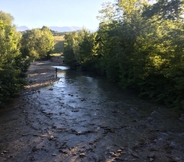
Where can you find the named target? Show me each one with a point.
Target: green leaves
(12, 65)
(80, 49)
(166, 10)
(137, 45)
(37, 43)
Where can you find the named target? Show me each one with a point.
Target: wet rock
(114, 111)
(63, 151)
(168, 148)
(181, 118)
(90, 149)
(172, 144)
(111, 153)
(24, 134)
(132, 111)
(151, 159)
(106, 130)
(153, 149)
(134, 154)
(135, 146)
(75, 110)
(154, 114)
(82, 154)
(36, 135)
(34, 149)
(51, 89)
(176, 159)
(60, 113)
(123, 126)
(142, 141)
(114, 154)
(79, 133)
(5, 151)
(11, 156)
(54, 127)
(119, 150)
(117, 159)
(91, 143)
(63, 146)
(43, 136)
(152, 137)
(151, 155)
(32, 158)
(51, 138)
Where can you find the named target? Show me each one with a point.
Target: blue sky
(36, 13)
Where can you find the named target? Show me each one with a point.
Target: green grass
(58, 44)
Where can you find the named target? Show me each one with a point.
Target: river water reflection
(109, 119)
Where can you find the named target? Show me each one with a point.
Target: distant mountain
(65, 28)
(22, 28)
(54, 28)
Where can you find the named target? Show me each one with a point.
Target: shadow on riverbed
(38, 80)
(42, 74)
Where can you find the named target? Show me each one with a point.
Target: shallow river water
(84, 118)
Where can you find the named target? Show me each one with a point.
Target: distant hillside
(54, 28)
(65, 28)
(22, 28)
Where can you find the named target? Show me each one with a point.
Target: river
(85, 118)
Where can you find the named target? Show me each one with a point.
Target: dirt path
(73, 120)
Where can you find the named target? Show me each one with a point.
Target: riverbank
(40, 74)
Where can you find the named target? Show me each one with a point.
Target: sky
(37, 13)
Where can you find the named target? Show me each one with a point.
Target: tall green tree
(6, 18)
(166, 9)
(80, 49)
(12, 65)
(37, 43)
(70, 49)
(138, 45)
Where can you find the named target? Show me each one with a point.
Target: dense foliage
(12, 65)
(37, 43)
(139, 45)
(79, 49)
(16, 53)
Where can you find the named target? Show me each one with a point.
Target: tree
(12, 65)
(46, 42)
(6, 18)
(37, 43)
(138, 45)
(166, 9)
(69, 49)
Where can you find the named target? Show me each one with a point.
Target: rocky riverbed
(78, 117)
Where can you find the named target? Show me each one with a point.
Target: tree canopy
(37, 43)
(12, 65)
(139, 45)
(16, 53)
